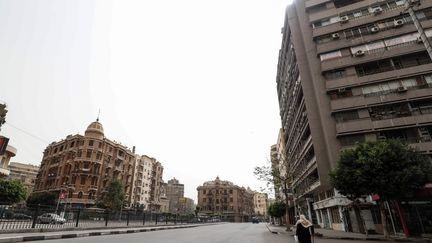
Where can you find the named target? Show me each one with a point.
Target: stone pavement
(20, 237)
(341, 235)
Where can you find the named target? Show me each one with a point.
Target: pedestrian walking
(304, 230)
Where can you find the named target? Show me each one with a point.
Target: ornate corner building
(82, 166)
(223, 199)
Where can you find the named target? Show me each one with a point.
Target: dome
(95, 130)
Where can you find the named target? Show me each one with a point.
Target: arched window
(90, 195)
(80, 194)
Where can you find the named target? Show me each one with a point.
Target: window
(346, 116)
(89, 153)
(90, 142)
(334, 74)
(330, 55)
(336, 219)
(83, 180)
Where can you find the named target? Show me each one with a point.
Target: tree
(275, 178)
(388, 168)
(12, 191)
(277, 209)
(42, 198)
(114, 197)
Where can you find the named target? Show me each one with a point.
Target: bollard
(143, 217)
(35, 215)
(78, 216)
(156, 219)
(127, 218)
(106, 217)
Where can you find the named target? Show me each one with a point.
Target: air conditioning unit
(375, 29)
(341, 90)
(419, 40)
(335, 36)
(344, 19)
(377, 10)
(359, 53)
(398, 22)
(401, 89)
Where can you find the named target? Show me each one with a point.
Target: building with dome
(80, 167)
(225, 200)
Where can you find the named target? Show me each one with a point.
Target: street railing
(46, 217)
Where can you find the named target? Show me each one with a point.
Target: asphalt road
(222, 233)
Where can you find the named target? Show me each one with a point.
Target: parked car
(21, 216)
(255, 220)
(50, 218)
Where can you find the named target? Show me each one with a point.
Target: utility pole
(410, 4)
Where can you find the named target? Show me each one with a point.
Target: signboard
(182, 200)
(3, 144)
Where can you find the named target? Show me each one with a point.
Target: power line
(28, 133)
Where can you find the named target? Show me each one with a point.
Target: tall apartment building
(175, 191)
(351, 71)
(82, 166)
(223, 198)
(25, 173)
(142, 184)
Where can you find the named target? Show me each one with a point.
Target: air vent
(419, 40)
(375, 29)
(398, 22)
(344, 19)
(377, 10)
(359, 53)
(401, 89)
(335, 36)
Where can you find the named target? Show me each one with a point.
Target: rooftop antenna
(97, 119)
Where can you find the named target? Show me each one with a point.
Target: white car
(50, 218)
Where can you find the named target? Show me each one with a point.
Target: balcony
(361, 101)
(366, 124)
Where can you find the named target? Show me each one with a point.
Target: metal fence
(44, 217)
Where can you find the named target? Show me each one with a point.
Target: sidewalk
(20, 237)
(341, 235)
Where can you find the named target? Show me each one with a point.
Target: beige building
(351, 71)
(82, 166)
(164, 201)
(4, 161)
(260, 204)
(26, 173)
(224, 199)
(143, 181)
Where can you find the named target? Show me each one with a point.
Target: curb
(67, 235)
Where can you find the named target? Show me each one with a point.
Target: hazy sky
(189, 82)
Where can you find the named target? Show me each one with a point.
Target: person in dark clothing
(304, 230)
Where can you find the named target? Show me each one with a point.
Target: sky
(191, 83)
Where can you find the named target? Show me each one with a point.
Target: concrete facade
(25, 173)
(175, 192)
(349, 71)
